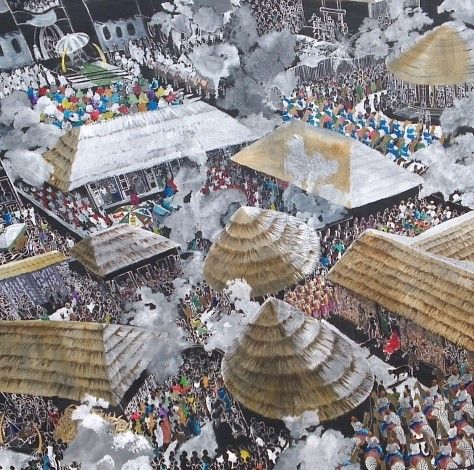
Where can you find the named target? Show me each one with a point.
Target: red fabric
(393, 344)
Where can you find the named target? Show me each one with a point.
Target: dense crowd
(330, 105)
(412, 424)
(408, 218)
(23, 78)
(34, 6)
(200, 305)
(66, 107)
(176, 69)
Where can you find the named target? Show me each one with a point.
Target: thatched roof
(128, 143)
(433, 291)
(270, 250)
(452, 239)
(285, 363)
(118, 247)
(340, 169)
(29, 265)
(71, 359)
(442, 56)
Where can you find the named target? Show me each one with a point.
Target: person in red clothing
(392, 345)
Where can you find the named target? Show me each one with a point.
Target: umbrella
(70, 43)
(133, 215)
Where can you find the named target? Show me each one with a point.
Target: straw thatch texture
(452, 239)
(71, 359)
(29, 265)
(119, 247)
(361, 176)
(432, 291)
(270, 250)
(285, 363)
(133, 142)
(442, 56)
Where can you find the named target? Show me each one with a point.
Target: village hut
(270, 250)
(335, 167)
(87, 154)
(285, 363)
(430, 72)
(72, 359)
(121, 248)
(428, 294)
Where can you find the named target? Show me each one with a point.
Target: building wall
(14, 51)
(116, 34)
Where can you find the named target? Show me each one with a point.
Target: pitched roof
(71, 359)
(11, 234)
(29, 265)
(340, 169)
(128, 143)
(119, 247)
(433, 291)
(270, 250)
(452, 239)
(285, 363)
(442, 56)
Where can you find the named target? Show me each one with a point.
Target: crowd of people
(200, 305)
(413, 424)
(33, 6)
(408, 218)
(315, 298)
(331, 104)
(194, 398)
(30, 76)
(66, 107)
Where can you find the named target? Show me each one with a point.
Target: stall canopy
(442, 56)
(340, 169)
(72, 359)
(121, 246)
(285, 363)
(32, 264)
(137, 141)
(433, 291)
(270, 250)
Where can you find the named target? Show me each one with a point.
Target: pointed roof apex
(285, 363)
(271, 250)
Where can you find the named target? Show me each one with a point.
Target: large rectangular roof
(128, 143)
(340, 169)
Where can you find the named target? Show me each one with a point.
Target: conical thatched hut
(330, 165)
(270, 250)
(71, 359)
(434, 69)
(121, 247)
(285, 363)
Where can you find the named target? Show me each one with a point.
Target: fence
(330, 67)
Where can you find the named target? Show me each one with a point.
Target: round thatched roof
(442, 56)
(270, 250)
(285, 363)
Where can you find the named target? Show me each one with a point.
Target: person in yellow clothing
(160, 92)
(244, 455)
